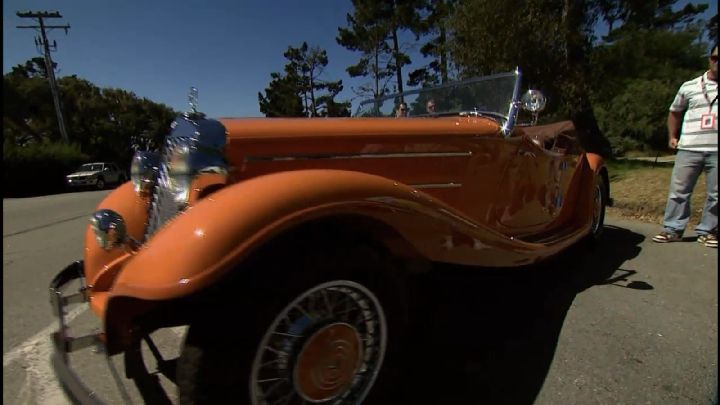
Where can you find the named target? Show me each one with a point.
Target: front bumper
(81, 182)
(63, 344)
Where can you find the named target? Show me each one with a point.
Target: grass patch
(640, 191)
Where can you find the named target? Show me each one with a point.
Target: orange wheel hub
(328, 362)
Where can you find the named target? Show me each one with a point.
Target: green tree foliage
(636, 72)
(281, 98)
(101, 122)
(38, 168)
(549, 39)
(435, 28)
(637, 15)
(301, 91)
(712, 28)
(374, 30)
(649, 44)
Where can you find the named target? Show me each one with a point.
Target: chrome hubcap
(326, 345)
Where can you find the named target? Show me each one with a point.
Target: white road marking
(179, 331)
(41, 385)
(43, 337)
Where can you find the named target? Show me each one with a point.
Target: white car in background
(96, 175)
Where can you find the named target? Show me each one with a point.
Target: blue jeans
(688, 166)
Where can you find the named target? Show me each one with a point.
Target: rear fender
(597, 164)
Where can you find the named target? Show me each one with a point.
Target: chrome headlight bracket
(144, 171)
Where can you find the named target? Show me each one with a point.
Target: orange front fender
(197, 248)
(201, 245)
(101, 265)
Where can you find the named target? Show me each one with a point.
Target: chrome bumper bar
(63, 343)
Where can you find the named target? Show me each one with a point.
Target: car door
(536, 184)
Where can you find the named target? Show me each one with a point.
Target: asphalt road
(628, 322)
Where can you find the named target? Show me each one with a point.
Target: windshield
(488, 95)
(90, 167)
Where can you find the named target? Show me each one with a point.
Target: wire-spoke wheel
(599, 202)
(326, 345)
(323, 327)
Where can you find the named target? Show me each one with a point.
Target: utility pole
(42, 40)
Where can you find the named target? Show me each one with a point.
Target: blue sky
(158, 49)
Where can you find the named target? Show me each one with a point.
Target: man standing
(695, 107)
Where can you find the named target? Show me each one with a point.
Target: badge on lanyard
(707, 120)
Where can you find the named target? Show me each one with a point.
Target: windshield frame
(505, 118)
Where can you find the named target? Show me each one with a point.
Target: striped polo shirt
(699, 128)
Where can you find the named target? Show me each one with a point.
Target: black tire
(100, 183)
(599, 200)
(221, 354)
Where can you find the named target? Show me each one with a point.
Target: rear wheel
(100, 183)
(328, 331)
(599, 203)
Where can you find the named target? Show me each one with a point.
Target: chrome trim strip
(436, 185)
(357, 156)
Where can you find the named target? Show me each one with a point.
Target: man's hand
(674, 121)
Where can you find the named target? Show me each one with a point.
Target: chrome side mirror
(109, 228)
(534, 102)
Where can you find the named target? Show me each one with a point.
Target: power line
(43, 41)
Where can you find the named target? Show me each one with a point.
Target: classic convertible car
(284, 243)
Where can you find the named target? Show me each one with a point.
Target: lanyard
(707, 98)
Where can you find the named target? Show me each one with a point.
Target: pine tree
(374, 30)
(302, 90)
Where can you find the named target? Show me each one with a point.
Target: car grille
(162, 205)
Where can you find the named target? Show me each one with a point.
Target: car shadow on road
(489, 335)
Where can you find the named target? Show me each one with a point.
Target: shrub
(38, 168)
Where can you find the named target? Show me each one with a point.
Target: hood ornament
(193, 101)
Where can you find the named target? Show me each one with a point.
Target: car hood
(80, 174)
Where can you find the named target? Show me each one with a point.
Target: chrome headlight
(144, 170)
(109, 228)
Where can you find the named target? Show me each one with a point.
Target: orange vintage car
(284, 243)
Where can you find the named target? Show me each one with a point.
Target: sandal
(711, 241)
(665, 237)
